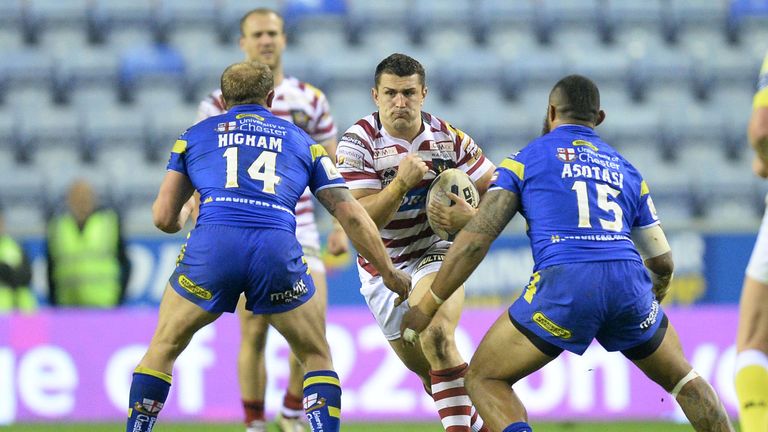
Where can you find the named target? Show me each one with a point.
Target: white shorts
(381, 301)
(758, 264)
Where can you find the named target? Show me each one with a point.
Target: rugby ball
(455, 181)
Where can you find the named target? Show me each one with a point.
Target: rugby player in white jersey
(389, 159)
(263, 39)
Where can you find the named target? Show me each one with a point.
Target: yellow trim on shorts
(334, 412)
(321, 380)
(530, 290)
(317, 151)
(514, 166)
(179, 146)
(157, 374)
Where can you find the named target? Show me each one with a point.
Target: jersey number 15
(603, 191)
(263, 169)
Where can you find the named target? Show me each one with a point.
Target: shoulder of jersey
(366, 127)
(304, 87)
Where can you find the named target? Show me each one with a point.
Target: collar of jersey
(249, 108)
(576, 128)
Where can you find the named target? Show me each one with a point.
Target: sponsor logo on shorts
(652, 315)
(429, 259)
(550, 327)
(194, 288)
(299, 289)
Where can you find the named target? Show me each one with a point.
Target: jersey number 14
(262, 169)
(603, 191)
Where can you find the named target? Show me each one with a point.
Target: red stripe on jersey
(406, 223)
(405, 241)
(369, 130)
(218, 102)
(477, 165)
(305, 210)
(280, 113)
(396, 260)
(325, 129)
(358, 175)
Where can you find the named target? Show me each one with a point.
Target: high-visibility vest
(86, 266)
(14, 297)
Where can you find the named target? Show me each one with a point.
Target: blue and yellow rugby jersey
(579, 196)
(250, 168)
(761, 96)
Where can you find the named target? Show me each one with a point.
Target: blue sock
(518, 427)
(149, 390)
(322, 400)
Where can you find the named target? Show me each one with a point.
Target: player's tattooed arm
(496, 210)
(365, 237)
(331, 197)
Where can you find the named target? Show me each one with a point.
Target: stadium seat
(365, 16)
(495, 16)
(149, 64)
(106, 16)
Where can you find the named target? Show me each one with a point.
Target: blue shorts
(219, 262)
(565, 307)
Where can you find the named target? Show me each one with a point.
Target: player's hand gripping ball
(454, 181)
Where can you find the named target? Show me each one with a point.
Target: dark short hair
(261, 11)
(247, 82)
(402, 66)
(577, 98)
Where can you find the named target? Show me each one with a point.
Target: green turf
(348, 427)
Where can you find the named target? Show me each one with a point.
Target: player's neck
(278, 75)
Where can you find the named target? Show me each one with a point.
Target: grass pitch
(348, 427)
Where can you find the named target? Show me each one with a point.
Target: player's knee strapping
(322, 400)
(685, 380)
(149, 390)
(751, 382)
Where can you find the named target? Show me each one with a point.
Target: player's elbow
(164, 218)
(661, 265)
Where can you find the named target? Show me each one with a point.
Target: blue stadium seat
(497, 15)
(149, 63)
(106, 16)
(171, 16)
(741, 13)
(365, 16)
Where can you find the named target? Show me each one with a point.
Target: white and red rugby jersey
(368, 158)
(305, 106)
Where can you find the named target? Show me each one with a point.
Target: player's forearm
(364, 235)
(466, 253)
(381, 206)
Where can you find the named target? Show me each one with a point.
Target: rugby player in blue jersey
(250, 168)
(592, 226)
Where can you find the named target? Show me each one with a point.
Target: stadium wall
(76, 365)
